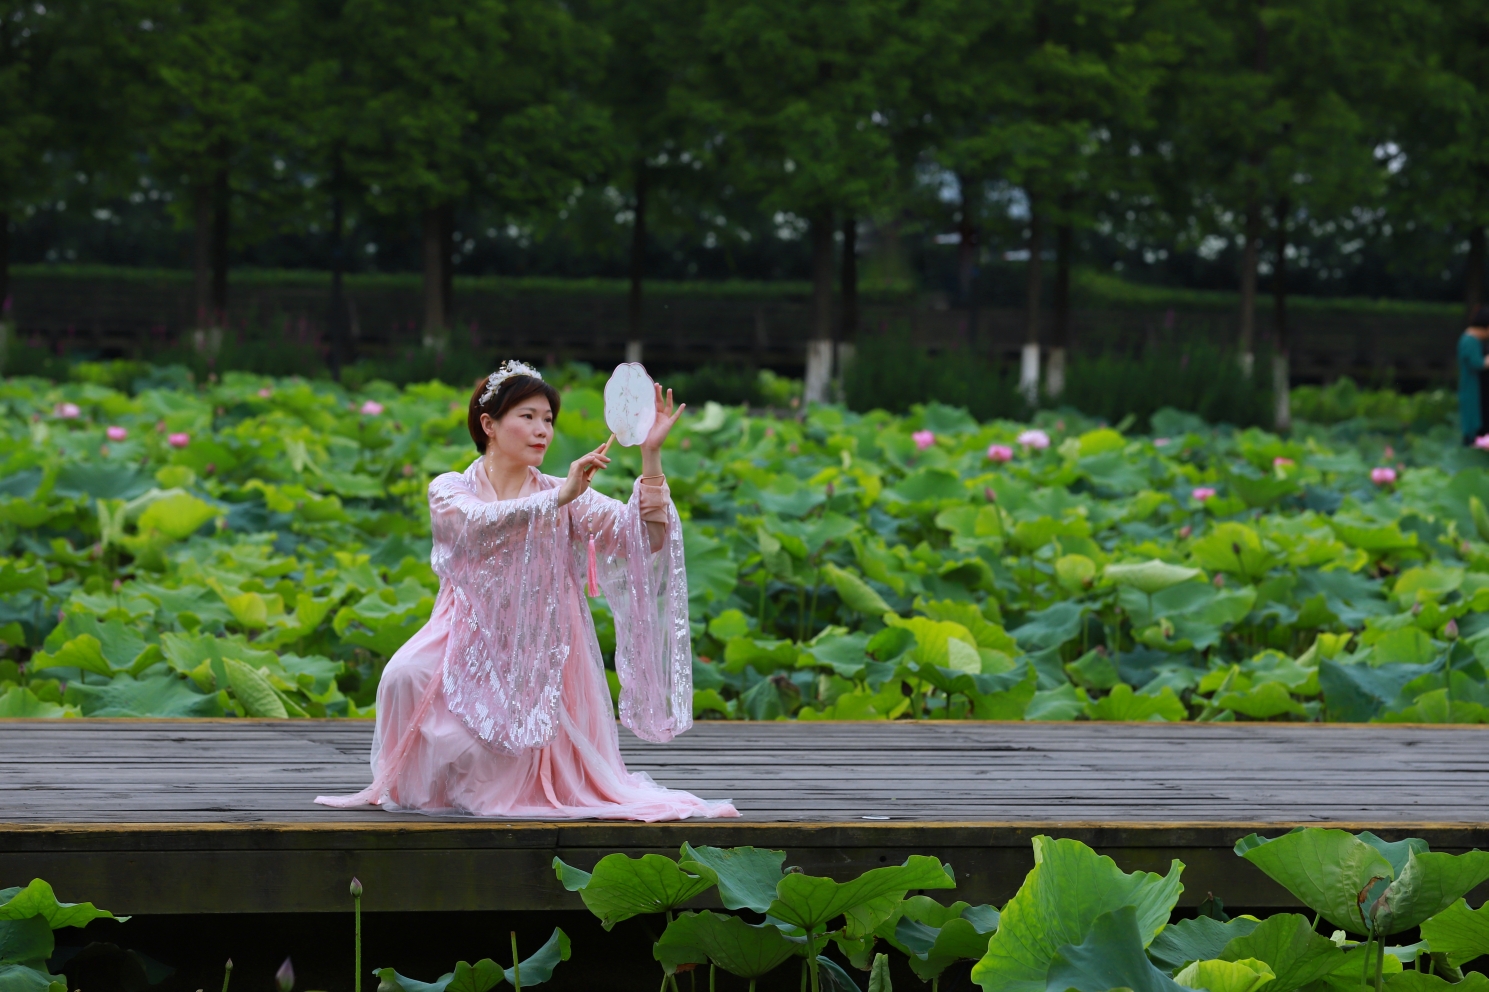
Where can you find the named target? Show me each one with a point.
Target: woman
(499, 705)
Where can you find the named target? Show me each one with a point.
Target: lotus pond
(260, 547)
(1078, 922)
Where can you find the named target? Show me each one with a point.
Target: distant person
(1473, 390)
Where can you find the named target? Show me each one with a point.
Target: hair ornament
(509, 368)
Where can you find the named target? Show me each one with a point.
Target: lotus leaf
(855, 593)
(747, 876)
(740, 948)
(1288, 944)
(1199, 939)
(1421, 981)
(1110, 957)
(38, 899)
(1149, 577)
(1243, 975)
(621, 887)
(809, 902)
(1068, 888)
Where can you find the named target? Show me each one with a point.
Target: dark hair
(513, 390)
(1480, 318)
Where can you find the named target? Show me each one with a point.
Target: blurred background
(1111, 206)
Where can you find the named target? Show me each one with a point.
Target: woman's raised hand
(666, 417)
(582, 470)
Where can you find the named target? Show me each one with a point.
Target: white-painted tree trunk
(1029, 373)
(1283, 411)
(1054, 374)
(818, 381)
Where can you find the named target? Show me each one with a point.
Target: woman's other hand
(582, 470)
(666, 417)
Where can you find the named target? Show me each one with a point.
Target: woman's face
(524, 432)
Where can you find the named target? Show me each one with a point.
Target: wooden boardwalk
(216, 816)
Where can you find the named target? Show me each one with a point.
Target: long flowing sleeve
(648, 596)
(503, 565)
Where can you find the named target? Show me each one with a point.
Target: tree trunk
(1029, 363)
(819, 349)
(337, 319)
(1473, 277)
(1246, 340)
(5, 304)
(1280, 370)
(849, 288)
(436, 250)
(202, 251)
(967, 248)
(635, 337)
(1054, 382)
(446, 263)
(222, 209)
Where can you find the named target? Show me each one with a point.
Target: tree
(469, 101)
(1268, 128)
(659, 143)
(804, 93)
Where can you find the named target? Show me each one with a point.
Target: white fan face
(630, 403)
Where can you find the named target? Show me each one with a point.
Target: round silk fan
(630, 403)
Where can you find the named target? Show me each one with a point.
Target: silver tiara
(509, 368)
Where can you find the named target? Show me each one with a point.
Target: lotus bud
(829, 490)
(989, 495)
(1185, 531)
(284, 978)
(356, 888)
(1416, 609)
(1450, 632)
(1219, 580)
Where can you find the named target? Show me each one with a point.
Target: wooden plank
(216, 815)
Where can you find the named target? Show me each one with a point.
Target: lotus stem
(516, 965)
(227, 973)
(1380, 964)
(357, 943)
(712, 971)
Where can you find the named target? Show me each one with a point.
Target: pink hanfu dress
(499, 706)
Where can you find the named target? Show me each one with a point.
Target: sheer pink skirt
(424, 759)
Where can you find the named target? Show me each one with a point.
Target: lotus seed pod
(356, 888)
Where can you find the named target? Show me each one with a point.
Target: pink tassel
(594, 575)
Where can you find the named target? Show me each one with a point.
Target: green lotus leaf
(934, 941)
(1244, 975)
(23, 978)
(1234, 548)
(1068, 888)
(1459, 932)
(855, 593)
(1289, 945)
(1051, 626)
(879, 980)
(19, 701)
(176, 516)
(740, 948)
(1324, 868)
(38, 899)
(1428, 884)
(538, 967)
(1110, 957)
(28, 942)
(1150, 577)
(747, 875)
(1122, 703)
(1420, 981)
(1199, 939)
(621, 887)
(158, 695)
(809, 902)
(253, 690)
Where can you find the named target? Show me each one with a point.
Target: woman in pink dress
(499, 705)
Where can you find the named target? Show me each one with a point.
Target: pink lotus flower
(178, 440)
(1482, 442)
(1203, 494)
(372, 408)
(265, 393)
(999, 453)
(1161, 442)
(1389, 453)
(67, 411)
(923, 439)
(1280, 462)
(1383, 476)
(116, 433)
(1036, 439)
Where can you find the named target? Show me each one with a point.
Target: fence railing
(117, 317)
